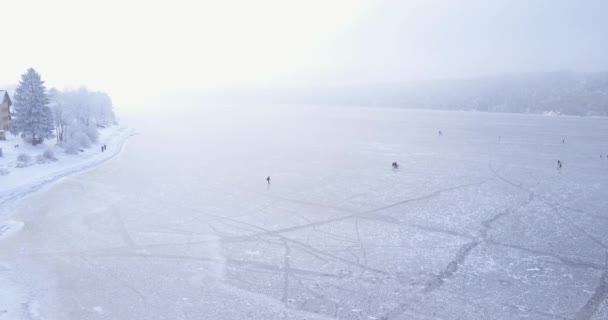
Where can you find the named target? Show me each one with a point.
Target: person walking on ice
(268, 179)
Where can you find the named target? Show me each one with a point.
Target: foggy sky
(411, 40)
(138, 50)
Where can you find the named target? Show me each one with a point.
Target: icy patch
(99, 310)
(13, 305)
(10, 227)
(30, 310)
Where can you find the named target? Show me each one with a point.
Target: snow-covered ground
(182, 225)
(17, 179)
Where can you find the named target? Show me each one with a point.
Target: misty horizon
(184, 47)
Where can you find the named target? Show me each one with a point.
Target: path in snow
(21, 182)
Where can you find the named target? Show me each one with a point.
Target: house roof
(4, 96)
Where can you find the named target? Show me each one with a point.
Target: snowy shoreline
(20, 182)
(19, 301)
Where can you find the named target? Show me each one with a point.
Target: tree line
(566, 93)
(71, 116)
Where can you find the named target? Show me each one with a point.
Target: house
(5, 113)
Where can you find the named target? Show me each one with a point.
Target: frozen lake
(182, 224)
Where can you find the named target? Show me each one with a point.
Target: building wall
(4, 121)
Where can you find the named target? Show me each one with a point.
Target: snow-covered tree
(61, 114)
(78, 115)
(101, 109)
(33, 118)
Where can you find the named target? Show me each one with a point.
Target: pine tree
(33, 118)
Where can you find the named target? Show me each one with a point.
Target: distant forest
(555, 93)
(584, 94)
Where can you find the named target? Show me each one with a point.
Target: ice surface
(182, 224)
(9, 227)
